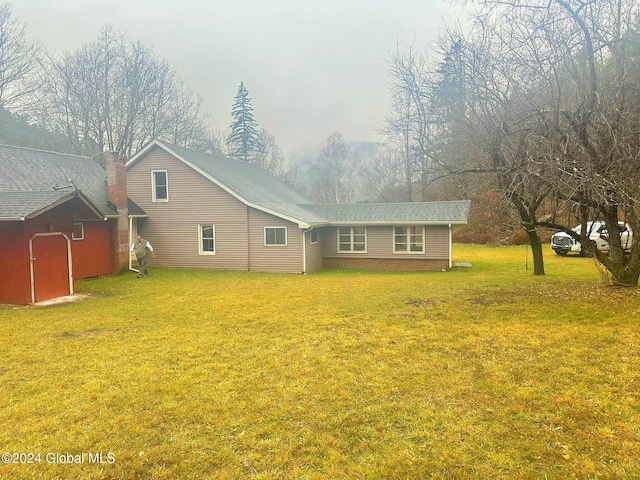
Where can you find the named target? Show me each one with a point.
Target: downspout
(248, 240)
(31, 272)
(130, 243)
(450, 248)
(304, 250)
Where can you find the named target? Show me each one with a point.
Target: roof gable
(249, 183)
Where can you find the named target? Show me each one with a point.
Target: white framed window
(352, 239)
(78, 231)
(313, 236)
(275, 236)
(160, 185)
(408, 239)
(206, 239)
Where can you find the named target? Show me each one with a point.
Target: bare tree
(270, 156)
(580, 116)
(405, 127)
(117, 94)
(18, 62)
(489, 104)
(384, 177)
(333, 172)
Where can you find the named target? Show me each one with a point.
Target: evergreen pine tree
(244, 141)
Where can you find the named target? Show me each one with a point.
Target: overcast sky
(312, 67)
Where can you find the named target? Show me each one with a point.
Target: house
(208, 211)
(62, 217)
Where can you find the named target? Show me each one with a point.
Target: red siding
(92, 256)
(94, 253)
(15, 282)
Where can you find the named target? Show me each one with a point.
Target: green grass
(474, 373)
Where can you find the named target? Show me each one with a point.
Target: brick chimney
(117, 189)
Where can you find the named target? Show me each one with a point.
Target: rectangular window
(275, 236)
(78, 231)
(313, 236)
(160, 185)
(408, 240)
(206, 239)
(352, 239)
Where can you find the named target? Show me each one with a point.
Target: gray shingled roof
(455, 212)
(250, 182)
(15, 205)
(134, 209)
(257, 187)
(27, 178)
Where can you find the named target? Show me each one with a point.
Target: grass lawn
(482, 373)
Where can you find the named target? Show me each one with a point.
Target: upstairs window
(313, 236)
(160, 185)
(275, 236)
(408, 240)
(206, 239)
(352, 239)
(78, 231)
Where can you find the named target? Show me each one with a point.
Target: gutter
(373, 223)
(12, 219)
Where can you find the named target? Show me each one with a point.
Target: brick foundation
(387, 264)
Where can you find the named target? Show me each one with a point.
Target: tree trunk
(626, 274)
(626, 277)
(536, 250)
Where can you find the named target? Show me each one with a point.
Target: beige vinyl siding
(314, 251)
(274, 258)
(172, 227)
(380, 243)
(436, 242)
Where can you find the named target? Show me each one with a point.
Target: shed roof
(32, 181)
(23, 205)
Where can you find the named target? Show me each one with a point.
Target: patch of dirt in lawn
(423, 303)
(83, 333)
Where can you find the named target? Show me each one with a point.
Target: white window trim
(200, 250)
(73, 231)
(153, 186)
(311, 242)
(366, 240)
(286, 237)
(408, 252)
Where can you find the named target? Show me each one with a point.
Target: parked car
(563, 243)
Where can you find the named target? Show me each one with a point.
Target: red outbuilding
(62, 217)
